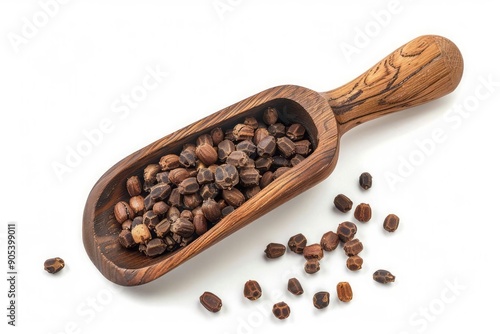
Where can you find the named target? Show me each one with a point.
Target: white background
(64, 77)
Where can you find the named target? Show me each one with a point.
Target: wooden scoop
(422, 70)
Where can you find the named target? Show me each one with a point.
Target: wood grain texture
(424, 69)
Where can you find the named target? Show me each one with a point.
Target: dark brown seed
(303, 147)
(263, 164)
(233, 197)
(346, 231)
(200, 224)
(243, 132)
(134, 186)
(251, 121)
(270, 116)
(260, 134)
(229, 135)
(182, 227)
(237, 159)
(277, 130)
(224, 149)
(211, 302)
(141, 234)
(313, 251)
(155, 247)
(188, 186)
(281, 310)
(137, 220)
(321, 299)
(204, 139)
(125, 239)
(285, 146)
(206, 153)
(209, 190)
(188, 214)
(344, 292)
(189, 147)
(279, 161)
(173, 214)
(137, 204)
(353, 247)
(176, 176)
(295, 287)
(169, 162)
(247, 146)
(251, 191)
(187, 158)
(150, 219)
(150, 175)
(354, 262)
(343, 203)
(266, 179)
(53, 265)
(175, 198)
(127, 225)
(266, 146)
(217, 136)
(162, 177)
(391, 223)
(160, 191)
(363, 212)
(252, 290)
(297, 243)
(274, 250)
(296, 159)
(227, 210)
(160, 208)
(204, 176)
(171, 244)
(211, 210)
(163, 228)
(148, 202)
(249, 177)
(295, 131)
(226, 176)
(365, 180)
(123, 211)
(280, 171)
(311, 266)
(329, 241)
(383, 276)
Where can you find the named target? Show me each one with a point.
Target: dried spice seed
(204, 139)
(329, 241)
(175, 198)
(303, 147)
(206, 153)
(249, 177)
(237, 158)
(141, 234)
(243, 132)
(270, 116)
(226, 176)
(277, 130)
(247, 146)
(251, 121)
(296, 131)
(280, 171)
(162, 177)
(346, 231)
(155, 247)
(204, 176)
(209, 190)
(188, 186)
(211, 210)
(391, 223)
(296, 159)
(134, 187)
(160, 191)
(217, 136)
(297, 243)
(274, 250)
(187, 158)
(163, 228)
(53, 265)
(281, 310)
(321, 299)
(312, 266)
(353, 247)
(251, 191)
(211, 302)
(280, 161)
(160, 208)
(125, 239)
(200, 224)
(123, 212)
(295, 287)
(266, 146)
(169, 162)
(263, 164)
(363, 212)
(224, 149)
(383, 276)
(137, 204)
(286, 146)
(177, 175)
(259, 134)
(127, 225)
(354, 262)
(365, 180)
(252, 290)
(343, 203)
(227, 210)
(150, 175)
(233, 197)
(313, 251)
(150, 219)
(266, 179)
(344, 292)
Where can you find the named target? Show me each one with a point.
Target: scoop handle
(422, 70)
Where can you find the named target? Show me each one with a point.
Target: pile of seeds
(187, 192)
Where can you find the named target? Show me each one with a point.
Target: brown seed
(270, 116)
(237, 159)
(182, 227)
(148, 202)
(277, 130)
(321, 299)
(134, 186)
(329, 241)
(266, 146)
(227, 210)
(155, 247)
(127, 225)
(274, 250)
(295, 131)
(251, 191)
(125, 239)
(353, 247)
(205, 175)
(53, 265)
(188, 214)
(343, 203)
(354, 262)
(243, 132)
(200, 224)
(313, 251)
(303, 147)
(344, 292)
(163, 228)
(295, 287)
(217, 136)
(286, 146)
(141, 234)
(160, 191)
(160, 208)
(280, 161)
(192, 201)
(249, 177)
(169, 162)
(204, 139)
(173, 214)
(297, 243)
(162, 177)
(363, 212)
(150, 219)
(266, 179)
(233, 197)
(137, 220)
(252, 290)
(246, 146)
(123, 211)
(281, 310)
(209, 190)
(280, 171)
(211, 210)
(150, 175)
(251, 121)
(175, 198)
(137, 204)
(391, 223)
(224, 149)
(211, 302)
(226, 176)
(365, 180)
(176, 176)
(346, 231)
(383, 276)
(187, 158)
(263, 164)
(206, 153)
(259, 134)
(188, 186)
(296, 159)
(311, 266)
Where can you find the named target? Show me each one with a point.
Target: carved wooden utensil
(422, 70)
